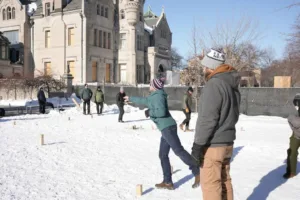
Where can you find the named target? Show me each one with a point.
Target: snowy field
(95, 158)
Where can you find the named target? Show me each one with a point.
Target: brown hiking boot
(168, 186)
(197, 181)
(288, 176)
(181, 127)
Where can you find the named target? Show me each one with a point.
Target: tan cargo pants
(214, 174)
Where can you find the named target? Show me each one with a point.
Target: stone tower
(131, 24)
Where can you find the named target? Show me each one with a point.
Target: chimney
(58, 5)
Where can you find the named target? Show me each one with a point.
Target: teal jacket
(158, 108)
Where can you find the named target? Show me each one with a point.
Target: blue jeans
(170, 139)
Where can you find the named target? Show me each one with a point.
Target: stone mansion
(93, 40)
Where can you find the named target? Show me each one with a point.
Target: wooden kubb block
(139, 190)
(42, 139)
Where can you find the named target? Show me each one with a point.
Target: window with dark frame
(47, 9)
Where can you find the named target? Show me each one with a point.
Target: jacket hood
(232, 78)
(228, 74)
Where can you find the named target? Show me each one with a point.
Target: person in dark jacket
(99, 100)
(120, 103)
(86, 96)
(187, 109)
(292, 152)
(42, 100)
(218, 114)
(158, 112)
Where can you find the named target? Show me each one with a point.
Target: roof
(72, 5)
(151, 22)
(150, 18)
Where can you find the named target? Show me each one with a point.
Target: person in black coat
(42, 100)
(120, 103)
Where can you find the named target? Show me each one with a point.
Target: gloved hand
(187, 110)
(198, 153)
(147, 113)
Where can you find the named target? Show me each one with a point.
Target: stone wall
(255, 101)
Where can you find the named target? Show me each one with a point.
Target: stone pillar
(132, 11)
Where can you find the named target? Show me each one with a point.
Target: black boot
(197, 181)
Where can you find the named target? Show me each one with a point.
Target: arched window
(122, 14)
(13, 13)
(8, 13)
(98, 9)
(3, 14)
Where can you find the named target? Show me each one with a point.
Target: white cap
(213, 59)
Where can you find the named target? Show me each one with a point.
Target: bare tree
(238, 40)
(176, 59)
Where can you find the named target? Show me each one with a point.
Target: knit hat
(296, 101)
(190, 89)
(157, 84)
(213, 59)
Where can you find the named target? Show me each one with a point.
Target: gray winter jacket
(294, 122)
(218, 110)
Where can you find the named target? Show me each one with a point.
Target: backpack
(99, 97)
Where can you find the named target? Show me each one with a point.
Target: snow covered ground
(96, 158)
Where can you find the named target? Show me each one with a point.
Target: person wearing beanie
(158, 112)
(187, 109)
(120, 103)
(292, 152)
(99, 100)
(218, 113)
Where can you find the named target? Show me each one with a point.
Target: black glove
(198, 153)
(147, 113)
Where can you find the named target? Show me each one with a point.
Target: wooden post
(42, 139)
(139, 190)
(75, 103)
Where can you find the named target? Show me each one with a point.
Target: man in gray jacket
(215, 129)
(292, 152)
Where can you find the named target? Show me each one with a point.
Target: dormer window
(3, 14)
(98, 9)
(102, 11)
(13, 13)
(47, 9)
(106, 12)
(8, 13)
(122, 14)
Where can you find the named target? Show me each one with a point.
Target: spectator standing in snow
(99, 100)
(86, 96)
(186, 108)
(292, 152)
(42, 100)
(159, 113)
(215, 129)
(120, 103)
